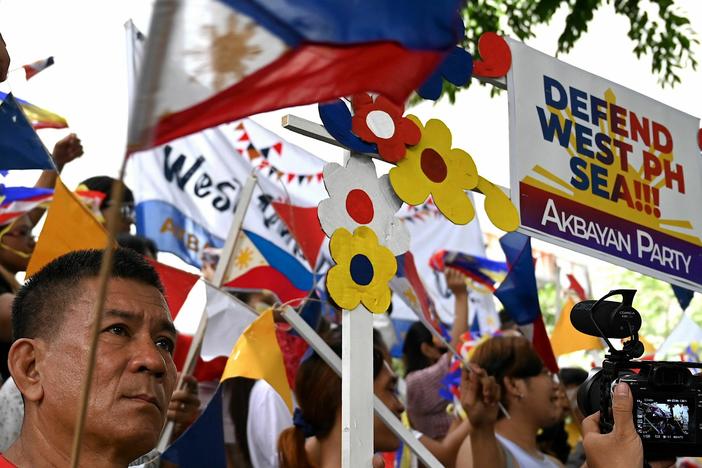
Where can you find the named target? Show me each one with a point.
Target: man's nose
(148, 357)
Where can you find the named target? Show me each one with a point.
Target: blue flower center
(361, 270)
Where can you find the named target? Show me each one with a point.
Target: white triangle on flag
(686, 332)
(227, 318)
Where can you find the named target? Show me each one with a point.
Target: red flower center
(359, 206)
(433, 166)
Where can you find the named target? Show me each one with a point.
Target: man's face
(134, 374)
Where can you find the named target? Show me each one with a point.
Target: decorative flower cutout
(362, 272)
(456, 68)
(359, 198)
(381, 122)
(433, 168)
(336, 117)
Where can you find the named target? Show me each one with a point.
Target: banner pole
(225, 261)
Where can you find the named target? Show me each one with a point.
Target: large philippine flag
(213, 61)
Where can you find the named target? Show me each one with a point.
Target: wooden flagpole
(223, 265)
(113, 214)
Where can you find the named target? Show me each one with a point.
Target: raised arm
(480, 395)
(456, 282)
(65, 150)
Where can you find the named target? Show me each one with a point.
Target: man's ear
(22, 360)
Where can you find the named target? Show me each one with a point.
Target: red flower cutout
(381, 122)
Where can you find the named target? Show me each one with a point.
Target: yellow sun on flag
(243, 259)
(409, 294)
(228, 51)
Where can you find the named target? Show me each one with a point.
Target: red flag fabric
(177, 284)
(576, 287)
(304, 226)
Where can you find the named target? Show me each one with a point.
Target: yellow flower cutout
(362, 272)
(433, 168)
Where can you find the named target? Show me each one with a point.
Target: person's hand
(622, 447)
(4, 60)
(456, 281)
(184, 406)
(66, 150)
(480, 397)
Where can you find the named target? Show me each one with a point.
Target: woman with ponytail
(314, 441)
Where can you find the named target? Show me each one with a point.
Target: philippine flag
(484, 274)
(213, 61)
(33, 68)
(409, 287)
(16, 201)
(260, 263)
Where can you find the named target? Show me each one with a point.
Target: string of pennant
(421, 212)
(265, 165)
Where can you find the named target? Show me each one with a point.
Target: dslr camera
(667, 395)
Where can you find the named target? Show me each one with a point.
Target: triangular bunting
(300, 178)
(253, 152)
(244, 137)
(264, 152)
(278, 147)
(320, 176)
(291, 176)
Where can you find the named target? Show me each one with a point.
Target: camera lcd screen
(665, 419)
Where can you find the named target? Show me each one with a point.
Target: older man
(134, 374)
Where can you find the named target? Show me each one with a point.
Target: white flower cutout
(357, 197)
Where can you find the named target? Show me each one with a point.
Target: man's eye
(117, 330)
(166, 344)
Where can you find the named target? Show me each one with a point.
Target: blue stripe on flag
(282, 261)
(415, 24)
(174, 232)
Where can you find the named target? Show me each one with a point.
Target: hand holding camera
(622, 447)
(658, 402)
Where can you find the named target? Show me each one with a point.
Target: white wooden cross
(357, 361)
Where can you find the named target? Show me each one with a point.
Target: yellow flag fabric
(566, 339)
(256, 355)
(648, 346)
(69, 226)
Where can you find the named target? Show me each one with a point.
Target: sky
(88, 83)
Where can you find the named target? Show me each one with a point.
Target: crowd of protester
(512, 411)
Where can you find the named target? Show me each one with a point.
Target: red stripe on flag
(308, 74)
(267, 277)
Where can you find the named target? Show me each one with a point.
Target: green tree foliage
(656, 27)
